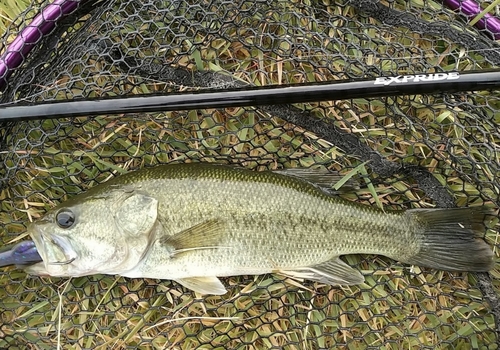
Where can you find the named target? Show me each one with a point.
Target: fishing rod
(258, 96)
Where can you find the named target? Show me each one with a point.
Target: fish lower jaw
(37, 269)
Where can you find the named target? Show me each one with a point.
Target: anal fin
(204, 285)
(333, 272)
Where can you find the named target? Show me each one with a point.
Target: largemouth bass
(193, 223)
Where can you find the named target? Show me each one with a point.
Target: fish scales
(194, 222)
(268, 225)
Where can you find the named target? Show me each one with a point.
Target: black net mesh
(409, 151)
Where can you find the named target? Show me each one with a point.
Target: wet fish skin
(195, 222)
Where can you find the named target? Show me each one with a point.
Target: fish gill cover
(404, 152)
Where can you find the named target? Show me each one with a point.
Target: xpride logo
(417, 78)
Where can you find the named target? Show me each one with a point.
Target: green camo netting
(409, 151)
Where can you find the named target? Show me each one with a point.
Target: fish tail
(451, 239)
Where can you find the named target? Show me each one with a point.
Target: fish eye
(65, 218)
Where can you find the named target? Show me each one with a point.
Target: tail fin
(451, 239)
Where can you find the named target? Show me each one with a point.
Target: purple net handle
(471, 9)
(30, 36)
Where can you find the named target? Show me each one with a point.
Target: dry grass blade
(488, 9)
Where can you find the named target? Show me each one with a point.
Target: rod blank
(256, 96)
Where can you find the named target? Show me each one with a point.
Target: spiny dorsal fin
(206, 235)
(322, 178)
(204, 285)
(333, 272)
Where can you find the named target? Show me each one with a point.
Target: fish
(194, 223)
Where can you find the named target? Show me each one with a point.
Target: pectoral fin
(204, 285)
(206, 235)
(333, 272)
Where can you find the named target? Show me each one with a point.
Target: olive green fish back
(405, 152)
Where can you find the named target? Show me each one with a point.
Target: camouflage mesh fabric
(406, 152)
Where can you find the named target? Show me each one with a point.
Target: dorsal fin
(322, 178)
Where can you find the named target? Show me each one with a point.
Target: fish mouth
(54, 249)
